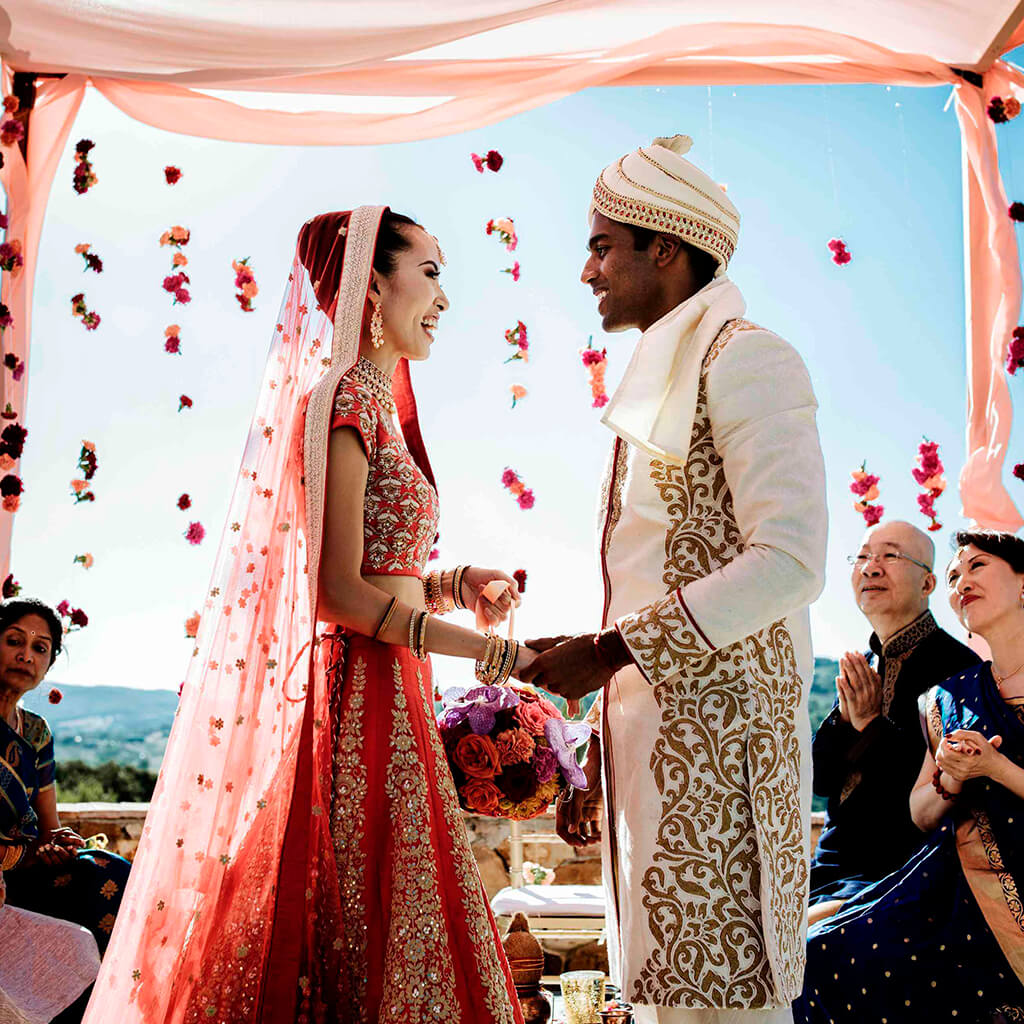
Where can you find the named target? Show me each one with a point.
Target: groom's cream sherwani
(712, 532)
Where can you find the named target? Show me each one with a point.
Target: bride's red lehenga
(305, 857)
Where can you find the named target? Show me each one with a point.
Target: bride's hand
(473, 582)
(524, 658)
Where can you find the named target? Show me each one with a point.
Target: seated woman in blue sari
(47, 868)
(942, 939)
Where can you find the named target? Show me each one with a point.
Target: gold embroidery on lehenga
(489, 969)
(419, 975)
(348, 806)
(726, 764)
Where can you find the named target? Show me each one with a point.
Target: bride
(304, 858)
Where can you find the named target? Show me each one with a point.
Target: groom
(712, 542)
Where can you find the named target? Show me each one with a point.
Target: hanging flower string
(14, 364)
(192, 626)
(1015, 353)
(245, 282)
(76, 618)
(172, 175)
(90, 318)
(596, 363)
(86, 560)
(513, 270)
(865, 486)
(517, 488)
(492, 161)
(92, 261)
(195, 533)
(173, 343)
(840, 254)
(87, 464)
(11, 258)
(11, 129)
(84, 176)
(177, 237)
(1002, 110)
(516, 337)
(928, 476)
(505, 229)
(520, 577)
(12, 444)
(11, 587)
(184, 502)
(518, 393)
(184, 402)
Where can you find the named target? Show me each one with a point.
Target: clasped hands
(58, 845)
(966, 754)
(859, 688)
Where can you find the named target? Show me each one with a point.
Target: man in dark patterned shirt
(868, 752)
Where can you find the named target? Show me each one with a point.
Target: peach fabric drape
(394, 57)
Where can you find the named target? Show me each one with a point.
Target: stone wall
(489, 837)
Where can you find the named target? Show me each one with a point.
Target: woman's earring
(377, 326)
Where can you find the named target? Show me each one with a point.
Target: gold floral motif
(727, 765)
(662, 638)
(467, 874)
(610, 508)
(1011, 896)
(349, 792)
(419, 975)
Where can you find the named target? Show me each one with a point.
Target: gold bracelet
(460, 571)
(413, 616)
(392, 605)
(494, 668)
(421, 637)
(511, 653)
(483, 662)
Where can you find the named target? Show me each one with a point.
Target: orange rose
(477, 756)
(532, 716)
(481, 796)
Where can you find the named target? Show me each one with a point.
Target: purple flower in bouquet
(545, 764)
(564, 737)
(477, 706)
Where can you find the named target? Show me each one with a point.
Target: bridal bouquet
(510, 750)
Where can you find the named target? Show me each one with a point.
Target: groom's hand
(578, 811)
(574, 666)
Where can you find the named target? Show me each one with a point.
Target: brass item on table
(583, 993)
(526, 959)
(621, 1015)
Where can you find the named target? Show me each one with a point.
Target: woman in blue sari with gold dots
(47, 868)
(942, 939)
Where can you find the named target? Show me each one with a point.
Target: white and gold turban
(656, 188)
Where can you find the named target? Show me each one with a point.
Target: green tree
(78, 782)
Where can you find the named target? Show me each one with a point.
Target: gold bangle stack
(418, 634)
(383, 624)
(460, 571)
(498, 660)
(433, 594)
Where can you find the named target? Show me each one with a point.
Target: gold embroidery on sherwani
(661, 638)
(610, 508)
(419, 976)
(489, 969)
(726, 764)
(349, 799)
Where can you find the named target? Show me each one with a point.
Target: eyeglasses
(885, 558)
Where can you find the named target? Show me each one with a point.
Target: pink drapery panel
(27, 186)
(993, 298)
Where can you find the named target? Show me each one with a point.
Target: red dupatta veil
(234, 883)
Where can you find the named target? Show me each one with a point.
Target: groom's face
(622, 277)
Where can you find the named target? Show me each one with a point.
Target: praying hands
(860, 691)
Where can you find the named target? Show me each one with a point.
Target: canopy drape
(475, 62)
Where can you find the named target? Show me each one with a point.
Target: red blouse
(400, 508)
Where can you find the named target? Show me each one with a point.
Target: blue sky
(883, 336)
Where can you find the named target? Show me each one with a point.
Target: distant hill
(97, 724)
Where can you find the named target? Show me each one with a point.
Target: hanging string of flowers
(172, 174)
(505, 229)
(513, 270)
(184, 402)
(10, 587)
(523, 495)
(516, 337)
(492, 160)
(92, 261)
(1002, 110)
(11, 258)
(76, 618)
(865, 486)
(518, 393)
(596, 363)
(14, 364)
(85, 560)
(195, 533)
(90, 318)
(11, 129)
(1015, 352)
(87, 464)
(520, 577)
(840, 254)
(173, 342)
(84, 177)
(928, 476)
(177, 237)
(12, 444)
(192, 626)
(184, 502)
(245, 282)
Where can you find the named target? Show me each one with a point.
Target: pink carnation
(873, 514)
(864, 485)
(195, 533)
(526, 499)
(509, 477)
(592, 356)
(545, 764)
(182, 295)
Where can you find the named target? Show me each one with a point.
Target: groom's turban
(656, 188)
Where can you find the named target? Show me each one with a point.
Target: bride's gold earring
(377, 326)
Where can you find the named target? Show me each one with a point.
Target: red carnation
(172, 174)
(11, 131)
(526, 499)
(1018, 471)
(996, 111)
(11, 486)
(173, 344)
(195, 533)
(55, 696)
(873, 514)
(11, 587)
(1016, 211)
(182, 295)
(494, 160)
(79, 618)
(6, 320)
(184, 403)
(184, 502)
(520, 577)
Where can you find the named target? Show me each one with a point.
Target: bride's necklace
(1009, 675)
(376, 380)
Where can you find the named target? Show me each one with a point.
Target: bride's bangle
(460, 571)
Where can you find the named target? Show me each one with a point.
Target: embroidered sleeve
(354, 407)
(762, 410)
(663, 636)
